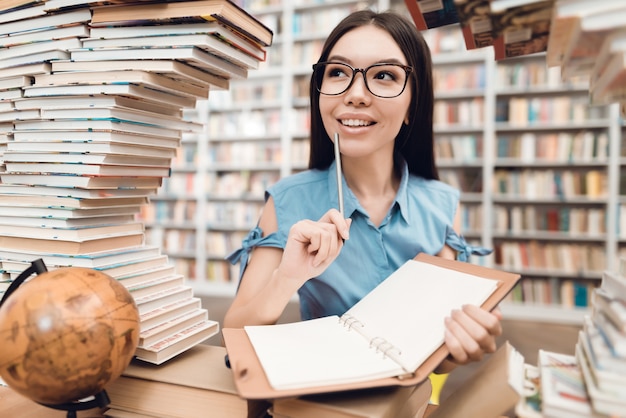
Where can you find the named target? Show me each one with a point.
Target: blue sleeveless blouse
(420, 220)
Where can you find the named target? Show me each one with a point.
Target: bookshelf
(544, 183)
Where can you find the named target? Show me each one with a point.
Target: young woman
(373, 87)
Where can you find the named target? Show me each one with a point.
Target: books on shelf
(429, 14)
(223, 11)
(325, 355)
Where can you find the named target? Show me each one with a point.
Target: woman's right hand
(313, 245)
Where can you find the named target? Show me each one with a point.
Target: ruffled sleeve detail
(462, 247)
(254, 239)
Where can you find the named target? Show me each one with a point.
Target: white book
(173, 69)
(212, 28)
(84, 158)
(139, 77)
(164, 313)
(173, 345)
(64, 223)
(99, 101)
(102, 125)
(130, 115)
(127, 89)
(73, 234)
(206, 42)
(25, 69)
(94, 260)
(80, 31)
(604, 403)
(38, 47)
(190, 54)
(39, 57)
(88, 147)
(149, 336)
(78, 181)
(89, 169)
(44, 22)
(65, 211)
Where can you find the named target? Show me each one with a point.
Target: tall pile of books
(92, 96)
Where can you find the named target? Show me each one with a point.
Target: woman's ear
(406, 119)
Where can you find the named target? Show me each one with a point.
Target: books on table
(394, 335)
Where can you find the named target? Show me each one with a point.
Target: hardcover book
(428, 14)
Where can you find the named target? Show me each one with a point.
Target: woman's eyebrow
(346, 60)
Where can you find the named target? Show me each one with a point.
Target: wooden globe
(65, 334)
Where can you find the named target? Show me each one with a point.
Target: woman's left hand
(471, 332)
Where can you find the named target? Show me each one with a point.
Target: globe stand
(100, 400)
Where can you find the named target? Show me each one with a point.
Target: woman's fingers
(471, 332)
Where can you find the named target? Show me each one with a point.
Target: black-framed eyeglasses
(382, 80)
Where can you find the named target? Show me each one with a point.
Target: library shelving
(539, 170)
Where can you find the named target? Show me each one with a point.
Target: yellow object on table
(437, 381)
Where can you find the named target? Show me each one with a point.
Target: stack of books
(196, 384)
(601, 347)
(92, 100)
(592, 382)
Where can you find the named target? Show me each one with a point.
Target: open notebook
(394, 335)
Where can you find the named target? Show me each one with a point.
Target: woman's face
(365, 123)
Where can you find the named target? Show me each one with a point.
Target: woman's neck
(374, 185)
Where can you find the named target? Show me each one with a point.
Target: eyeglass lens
(383, 80)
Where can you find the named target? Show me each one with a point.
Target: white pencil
(338, 167)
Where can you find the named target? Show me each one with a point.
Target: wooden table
(13, 404)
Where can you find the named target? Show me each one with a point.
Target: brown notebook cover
(252, 383)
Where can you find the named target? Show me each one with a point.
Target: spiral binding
(350, 321)
(383, 346)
